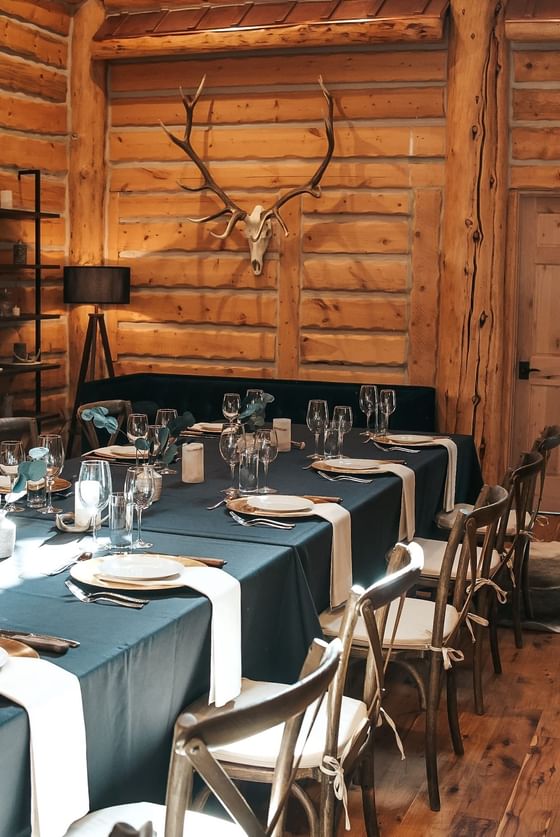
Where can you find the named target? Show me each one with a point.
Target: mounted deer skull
(258, 223)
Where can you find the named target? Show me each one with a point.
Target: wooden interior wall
(351, 294)
(34, 49)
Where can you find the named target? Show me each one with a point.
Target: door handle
(524, 369)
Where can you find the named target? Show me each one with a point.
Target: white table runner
(451, 477)
(407, 523)
(341, 550)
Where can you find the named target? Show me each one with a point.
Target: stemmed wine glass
(267, 441)
(55, 461)
(165, 417)
(342, 419)
(230, 406)
(317, 420)
(231, 439)
(153, 439)
(388, 403)
(11, 455)
(369, 403)
(137, 428)
(94, 489)
(139, 488)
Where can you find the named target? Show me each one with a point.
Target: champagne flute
(230, 406)
(231, 439)
(317, 420)
(369, 403)
(11, 455)
(267, 441)
(164, 417)
(94, 489)
(342, 419)
(388, 402)
(139, 488)
(55, 461)
(137, 428)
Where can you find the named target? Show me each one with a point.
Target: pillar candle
(192, 463)
(82, 515)
(283, 427)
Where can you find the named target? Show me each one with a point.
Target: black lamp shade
(97, 285)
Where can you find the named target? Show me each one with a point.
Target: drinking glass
(342, 419)
(120, 521)
(253, 395)
(11, 455)
(249, 466)
(369, 404)
(153, 440)
(137, 428)
(267, 442)
(231, 441)
(139, 489)
(230, 406)
(94, 489)
(331, 442)
(388, 405)
(164, 417)
(317, 420)
(55, 461)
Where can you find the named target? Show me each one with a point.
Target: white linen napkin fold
(451, 477)
(224, 592)
(207, 426)
(53, 701)
(119, 451)
(341, 549)
(407, 523)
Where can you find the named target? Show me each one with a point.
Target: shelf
(28, 317)
(11, 368)
(12, 268)
(26, 214)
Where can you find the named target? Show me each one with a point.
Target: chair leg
(452, 713)
(516, 592)
(493, 635)
(477, 670)
(367, 783)
(309, 808)
(527, 603)
(434, 686)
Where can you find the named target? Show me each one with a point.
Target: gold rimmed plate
(91, 573)
(348, 466)
(59, 484)
(408, 439)
(243, 505)
(15, 648)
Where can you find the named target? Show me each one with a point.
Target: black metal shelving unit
(36, 215)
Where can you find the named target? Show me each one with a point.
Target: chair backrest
(521, 484)
(195, 737)
(119, 409)
(545, 444)
(24, 429)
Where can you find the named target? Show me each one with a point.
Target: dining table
(138, 669)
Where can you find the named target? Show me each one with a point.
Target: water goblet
(317, 420)
(342, 419)
(54, 459)
(369, 404)
(231, 439)
(388, 405)
(165, 417)
(94, 489)
(139, 488)
(267, 441)
(230, 406)
(11, 455)
(137, 428)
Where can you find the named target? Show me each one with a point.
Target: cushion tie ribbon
(474, 617)
(450, 655)
(501, 594)
(332, 767)
(383, 715)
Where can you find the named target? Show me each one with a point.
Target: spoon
(83, 556)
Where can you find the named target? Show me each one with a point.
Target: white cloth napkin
(53, 701)
(451, 478)
(407, 524)
(119, 451)
(208, 426)
(341, 549)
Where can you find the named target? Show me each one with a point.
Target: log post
(471, 310)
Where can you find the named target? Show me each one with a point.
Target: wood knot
(477, 236)
(482, 319)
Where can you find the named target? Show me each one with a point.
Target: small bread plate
(14, 648)
(92, 572)
(345, 465)
(279, 505)
(407, 439)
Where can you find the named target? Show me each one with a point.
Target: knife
(24, 636)
(40, 643)
(210, 562)
(319, 498)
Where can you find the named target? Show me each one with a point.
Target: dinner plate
(348, 466)
(58, 485)
(139, 567)
(15, 648)
(87, 572)
(244, 505)
(281, 503)
(408, 439)
(3, 657)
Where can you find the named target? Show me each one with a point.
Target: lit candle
(83, 512)
(192, 462)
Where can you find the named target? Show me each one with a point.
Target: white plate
(138, 568)
(403, 439)
(4, 657)
(354, 464)
(281, 503)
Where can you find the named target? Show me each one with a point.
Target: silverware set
(106, 597)
(261, 521)
(339, 477)
(393, 447)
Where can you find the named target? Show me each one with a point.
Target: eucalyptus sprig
(34, 469)
(251, 412)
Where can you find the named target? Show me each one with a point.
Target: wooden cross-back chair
(194, 742)
(117, 408)
(20, 428)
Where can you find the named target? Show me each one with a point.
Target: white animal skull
(258, 235)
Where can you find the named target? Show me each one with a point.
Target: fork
(107, 598)
(333, 478)
(261, 521)
(395, 447)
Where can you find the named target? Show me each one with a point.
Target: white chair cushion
(100, 823)
(445, 520)
(414, 629)
(433, 556)
(262, 749)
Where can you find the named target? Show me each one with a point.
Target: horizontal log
(29, 42)
(202, 308)
(285, 174)
(290, 106)
(353, 313)
(533, 31)
(536, 65)
(275, 141)
(51, 15)
(198, 271)
(168, 341)
(352, 274)
(187, 367)
(24, 151)
(53, 338)
(53, 191)
(535, 177)
(263, 70)
(359, 349)
(50, 403)
(32, 115)
(351, 374)
(370, 203)
(176, 235)
(531, 104)
(371, 236)
(53, 233)
(535, 143)
(24, 76)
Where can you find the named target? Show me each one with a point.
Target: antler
(312, 186)
(230, 208)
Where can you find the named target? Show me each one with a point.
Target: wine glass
(267, 441)
(317, 419)
(55, 461)
(139, 488)
(231, 439)
(137, 428)
(230, 406)
(388, 403)
(94, 489)
(342, 418)
(164, 417)
(369, 403)
(153, 439)
(11, 455)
